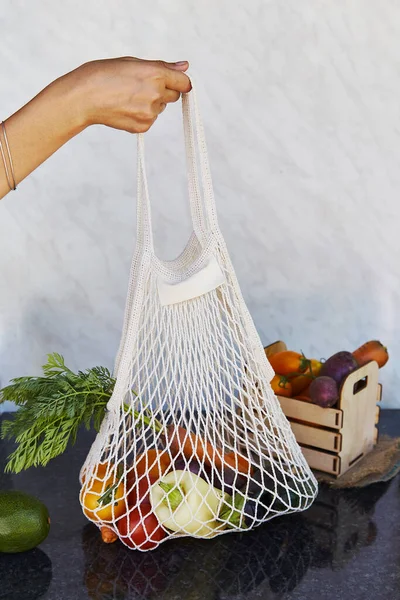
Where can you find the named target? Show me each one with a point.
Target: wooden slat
(322, 461)
(311, 413)
(379, 392)
(318, 438)
(377, 415)
(275, 348)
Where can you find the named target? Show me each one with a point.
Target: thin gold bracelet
(11, 181)
(5, 167)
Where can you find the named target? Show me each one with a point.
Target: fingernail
(180, 63)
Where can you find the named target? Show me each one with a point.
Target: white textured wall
(301, 106)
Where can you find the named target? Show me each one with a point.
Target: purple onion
(181, 464)
(339, 366)
(324, 391)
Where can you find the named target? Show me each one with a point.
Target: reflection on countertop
(347, 545)
(271, 560)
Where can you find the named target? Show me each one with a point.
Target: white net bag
(194, 442)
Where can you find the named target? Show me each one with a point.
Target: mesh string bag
(194, 441)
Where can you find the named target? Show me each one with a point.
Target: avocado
(24, 522)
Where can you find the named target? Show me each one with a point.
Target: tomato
(301, 382)
(91, 493)
(138, 492)
(153, 463)
(288, 362)
(141, 529)
(99, 472)
(315, 367)
(281, 386)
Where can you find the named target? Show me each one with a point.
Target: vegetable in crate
(339, 366)
(324, 391)
(300, 383)
(281, 386)
(288, 362)
(372, 350)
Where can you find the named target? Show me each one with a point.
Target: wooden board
(275, 348)
(303, 411)
(318, 438)
(322, 461)
(379, 393)
(359, 410)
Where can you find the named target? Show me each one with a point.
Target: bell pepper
(183, 502)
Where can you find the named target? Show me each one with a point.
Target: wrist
(68, 93)
(82, 84)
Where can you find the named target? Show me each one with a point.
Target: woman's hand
(127, 93)
(124, 93)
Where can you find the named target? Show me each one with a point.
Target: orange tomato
(281, 387)
(315, 367)
(288, 362)
(301, 382)
(99, 471)
(91, 493)
(152, 463)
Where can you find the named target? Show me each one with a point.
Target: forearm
(124, 93)
(42, 126)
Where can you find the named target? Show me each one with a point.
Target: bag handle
(202, 203)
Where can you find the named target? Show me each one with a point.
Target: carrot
(372, 350)
(191, 446)
(108, 535)
(182, 441)
(152, 463)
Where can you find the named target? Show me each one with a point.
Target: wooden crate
(335, 439)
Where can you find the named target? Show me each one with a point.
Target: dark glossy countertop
(346, 546)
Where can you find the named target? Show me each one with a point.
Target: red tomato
(138, 492)
(141, 530)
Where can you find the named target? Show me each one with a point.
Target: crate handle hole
(360, 385)
(356, 459)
